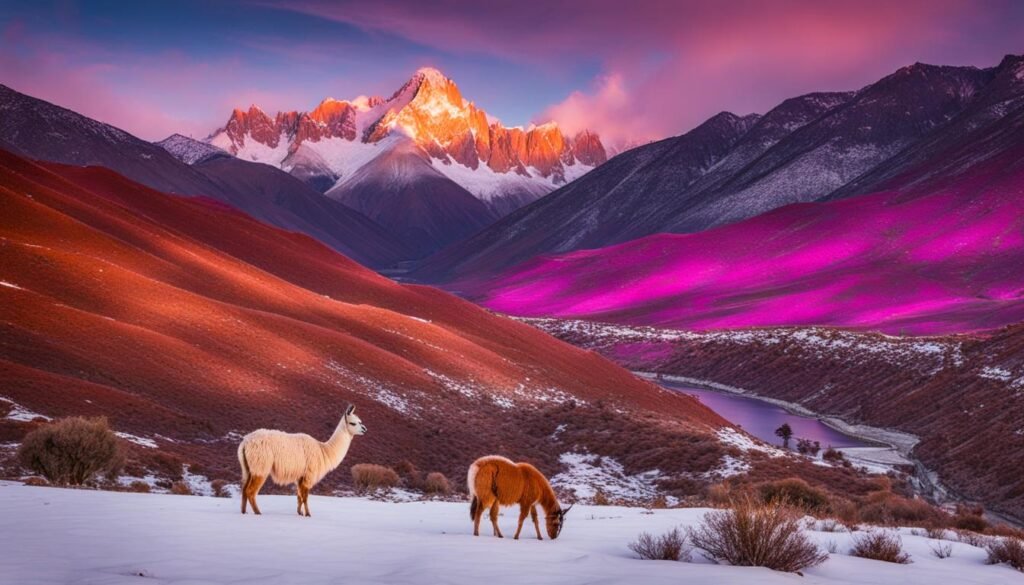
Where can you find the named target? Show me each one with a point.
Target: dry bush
(719, 495)
(410, 475)
(436, 483)
(943, 550)
(371, 477)
(71, 450)
(180, 488)
(753, 534)
(846, 512)
(795, 492)
(887, 508)
(600, 499)
(935, 532)
(1006, 550)
(880, 546)
(830, 525)
(670, 546)
(660, 502)
(139, 487)
(972, 538)
(36, 481)
(220, 488)
(1004, 530)
(833, 455)
(972, 522)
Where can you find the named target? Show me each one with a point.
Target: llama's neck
(548, 500)
(337, 446)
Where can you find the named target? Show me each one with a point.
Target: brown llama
(495, 481)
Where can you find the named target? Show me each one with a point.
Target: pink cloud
(667, 66)
(132, 92)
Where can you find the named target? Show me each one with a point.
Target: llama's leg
(494, 519)
(245, 493)
(304, 496)
(255, 484)
(524, 511)
(536, 523)
(298, 496)
(478, 517)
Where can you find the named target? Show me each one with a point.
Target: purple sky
(632, 70)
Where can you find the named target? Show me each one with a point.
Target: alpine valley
(853, 257)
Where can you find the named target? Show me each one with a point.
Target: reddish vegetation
(185, 321)
(943, 260)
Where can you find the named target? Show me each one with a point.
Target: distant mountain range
(817, 147)
(936, 247)
(43, 131)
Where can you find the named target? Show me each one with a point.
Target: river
(760, 418)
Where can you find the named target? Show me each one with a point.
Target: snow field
(74, 536)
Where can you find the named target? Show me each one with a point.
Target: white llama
(293, 458)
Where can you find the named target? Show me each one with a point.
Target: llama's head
(354, 424)
(556, 520)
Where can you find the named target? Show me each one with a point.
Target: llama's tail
(474, 502)
(244, 464)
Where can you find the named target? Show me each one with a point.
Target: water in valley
(760, 418)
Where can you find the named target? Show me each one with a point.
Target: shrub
(808, 447)
(830, 525)
(935, 532)
(880, 546)
(36, 481)
(889, 509)
(972, 522)
(180, 488)
(1004, 530)
(140, 487)
(752, 534)
(846, 512)
(600, 499)
(670, 546)
(1007, 550)
(410, 475)
(71, 450)
(371, 477)
(972, 538)
(833, 455)
(795, 492)
(220, 488)
(719, 495)
(436, 483)
(943, 550)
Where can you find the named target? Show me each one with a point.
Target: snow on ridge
(372, 388)
(586, 474)
(20, 413)
(936, 350)
(141, 441)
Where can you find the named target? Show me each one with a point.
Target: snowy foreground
(52, 535)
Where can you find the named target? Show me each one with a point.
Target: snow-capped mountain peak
(505, 167)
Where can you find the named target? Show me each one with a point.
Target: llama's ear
(566, 511)
(351, 408)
